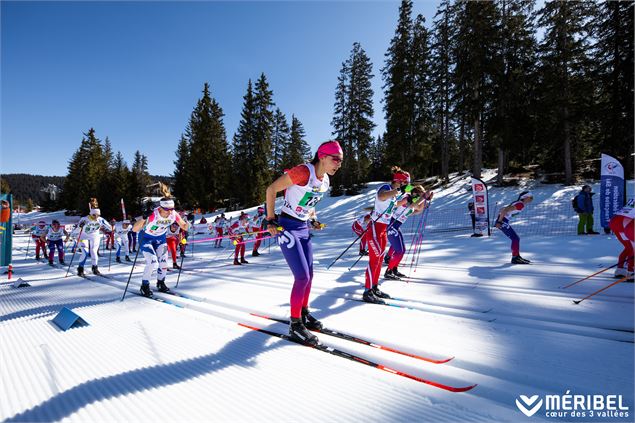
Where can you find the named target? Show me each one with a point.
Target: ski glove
(407, 188)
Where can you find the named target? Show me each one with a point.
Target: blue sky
(134, 70)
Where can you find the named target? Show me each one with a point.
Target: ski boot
(236, 262)
(37, 256)
(519, 260)
(118, 259)
(397, 273)
(62, 262)
(310, 322)
(175, 266)
(255, 254)
(390, 275)
(369, 297)
(620, 272)
(128, 259)
(96, 271)
(145, 290)
(80, 271)
(299, 333)
(50, 262)
(162, 287)
(243, 261)
(380, 294)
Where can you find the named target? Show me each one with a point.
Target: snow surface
(511, 329)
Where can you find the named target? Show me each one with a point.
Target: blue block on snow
(67, 319)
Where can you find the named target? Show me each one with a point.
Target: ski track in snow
(510, 329)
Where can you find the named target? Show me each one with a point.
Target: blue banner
(611, 190)
(6, 229)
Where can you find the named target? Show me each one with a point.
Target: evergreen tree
(182, 174)
(243, 150)
(566, 87)
(206, 167)
(263, 108)
(280, 139)
(86, 171)
(4, 186)
(352, 121)
(120, 179)
(511, 125)
(477, 59)
(378, 165)
(298, 150)
(423, 130)
(441, 84)
(138, 183)
(399, 92)
(614, 61)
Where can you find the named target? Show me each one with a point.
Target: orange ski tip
(247, 326)
(259, 315)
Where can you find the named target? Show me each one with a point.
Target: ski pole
(183, 241)
(131, 270)
(252, 240)
(590, 276)
(600, 290)
(27, 247)
(423, 230)
(363, 232)
(79, 237)
(110, 253)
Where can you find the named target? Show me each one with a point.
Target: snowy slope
(510, 329)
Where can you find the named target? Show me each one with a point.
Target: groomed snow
(511, 329)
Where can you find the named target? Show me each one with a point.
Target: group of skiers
(163, 230)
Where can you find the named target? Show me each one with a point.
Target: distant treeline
(25, 187)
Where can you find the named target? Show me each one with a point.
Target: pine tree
(477, 58)
(86, 172)
(280, 139)
(4, 186)
(399, 92)
(512, 120)
(298, 150)
(614, 61)
(352, 118)
(204, 173)
(138, 183)
(120, 180)
(182, 174)
(566, 88)
(243, 151)
(263, 108)
(441, 84)
(423, 128)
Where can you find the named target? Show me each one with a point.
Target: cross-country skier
(54, 236)
(153, 244)
(110, 236)
(305, 185)
(173, 238)
(256, 226)
(238, 230)
(90, 237)
(359, 225)
(220, 223)
(416, 203)
(122, 241)
(385, 202)
(38, 234)
(502, 223)
(622, 226)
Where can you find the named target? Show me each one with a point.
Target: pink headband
(330, 148)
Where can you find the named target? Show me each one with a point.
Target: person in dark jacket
(584, 201)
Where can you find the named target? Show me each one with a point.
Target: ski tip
(247, 326)
(577, 301)
(445, 360)
(259, 315)
(464, 388)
